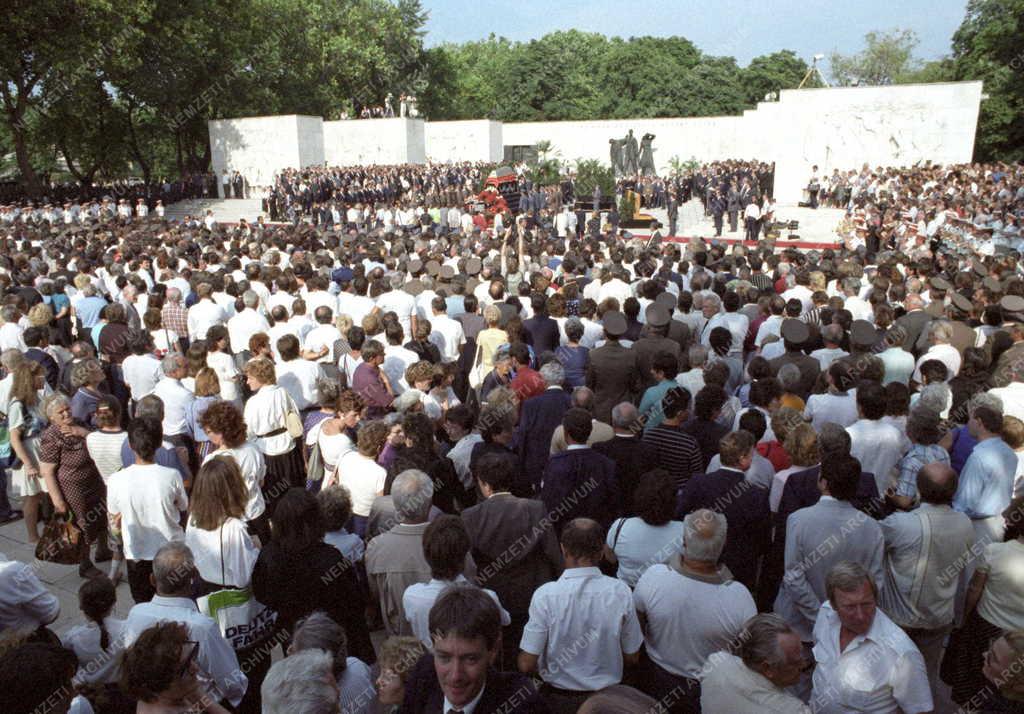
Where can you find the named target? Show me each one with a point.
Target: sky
(741, 29)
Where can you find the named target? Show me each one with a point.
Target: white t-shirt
(254, 468)
(229, 547)
(641, 545)
(150, 500)
(364, 478)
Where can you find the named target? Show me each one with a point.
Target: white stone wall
(259, 147)
(834, 128)
(468, 140)
(373, 141)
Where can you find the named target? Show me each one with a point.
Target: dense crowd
(560, 470)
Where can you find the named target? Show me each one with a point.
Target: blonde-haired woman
(266, 418)
(207, 391)
(26, 422)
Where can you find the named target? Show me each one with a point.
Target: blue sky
(742, 30)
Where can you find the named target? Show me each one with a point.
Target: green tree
(772, 73)
(989, 45)
(886, 57)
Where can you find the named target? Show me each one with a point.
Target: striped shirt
(675, 451)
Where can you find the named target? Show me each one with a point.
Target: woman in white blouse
(218, 359)
(225, 553)
(337, 436)
(223, 424)
(267, 420)
(359, 472)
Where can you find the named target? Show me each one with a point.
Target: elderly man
(304, 681)
(940, 333)
(174, 570)
(204, 314)
(586, 611)
(864, 661)
(582, 398)
(88, 311)
(394, 560)
(925, 550)
(744, 505)
(832, 337)
(244, 325)
(690, 607)
(851, 535)
(769, 658)
(176, 399)
(539, 418)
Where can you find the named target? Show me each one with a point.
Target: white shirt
(447, 334)
(403, 304)
(880, 672)
(590, 615)
(827, 356)
(859, 309)
(24, 602)
(771, 326)
(243, 326)
(638, 545)
(357, 307)
(839, 409)
(322, 336)
(224, 365)
(947, 354)
(202, 316)
(96, 665)
(397, 359)
(254, 468)
(728, 685)
(150, 500)
(267, 411)
(298, 377)
(141, 374)
(1013, 399)
(418, 598)
(364, 478)
(460, 454)
(215, 657)
(225, 555)
(176, 399)
(689, 618)
(879, 447)
(12, 337)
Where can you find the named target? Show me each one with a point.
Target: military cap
(447, 272)
(795, 331)
(667, 301)
(414, 266)
(961, 303)
(472, 266)
(433, 267)
(940, 283)
(1012, 303)
(656, 315)
(862, 333)
(413, 287)
(979, 268)
(992, 284)
(342, 275)
(471, 284)
(614, 323)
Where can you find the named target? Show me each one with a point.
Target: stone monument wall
(839, 128)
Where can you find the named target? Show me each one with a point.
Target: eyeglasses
(190, 659)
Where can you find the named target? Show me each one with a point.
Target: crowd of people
(555, 470)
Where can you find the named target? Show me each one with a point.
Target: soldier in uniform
(612, 371)
(653, 339)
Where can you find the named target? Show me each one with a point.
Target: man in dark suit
(466, 626)
(541, 331)
(632, 459)
(612, 371)
(744, 505)
(539, 418)
(653, 339)
(514, 551)
(716, 206)
(734, 204)
(678, 331)
(912, 324)
(795, 335)
(579, 482)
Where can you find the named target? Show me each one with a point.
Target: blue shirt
(650, 405)
(963, 445)
(986, 483)
(574, 361)
(89, 309)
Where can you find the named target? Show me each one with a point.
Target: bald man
(582, 397)
(926, 550)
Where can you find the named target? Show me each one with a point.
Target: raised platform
(225, 210)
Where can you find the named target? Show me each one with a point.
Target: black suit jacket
(745, 507)
(539, 418)
(541, 332)
(612, 375)
(912, 324)
(632, 460)
(504, 692)
(514, 550)
(580, 483)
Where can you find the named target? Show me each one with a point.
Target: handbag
(293, 423)
(61, 541)
(243, 621)
(476, 372)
